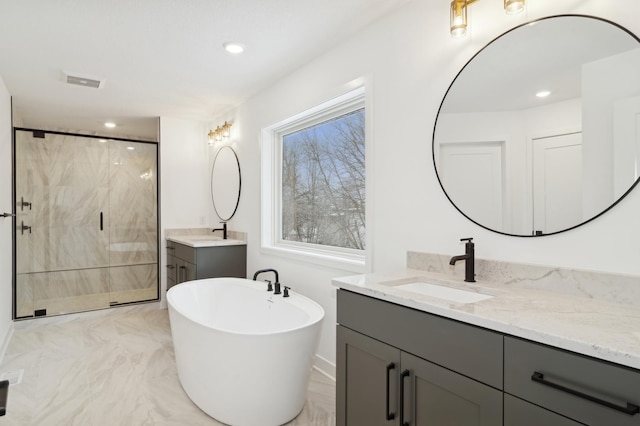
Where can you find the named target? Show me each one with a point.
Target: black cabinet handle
(630, 409)
(4, 394)
(170, 266)
(390, 416)
(403, 375)
(101, 222)
(180, 269)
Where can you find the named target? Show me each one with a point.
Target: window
(314, 182)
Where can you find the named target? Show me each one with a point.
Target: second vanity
(192, 257)
(428, 349)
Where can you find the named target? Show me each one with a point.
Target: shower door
(86, 235)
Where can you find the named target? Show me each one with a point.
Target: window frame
(271, 202)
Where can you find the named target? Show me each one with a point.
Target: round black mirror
(537, 134)
(226, 183)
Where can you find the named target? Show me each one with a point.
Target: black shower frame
(13, 196)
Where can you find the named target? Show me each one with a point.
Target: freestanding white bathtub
(243, 354)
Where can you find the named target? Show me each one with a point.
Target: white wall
(600, 92)
(6, 250)
(411, 60)
(185, 200)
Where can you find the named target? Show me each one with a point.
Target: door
(626, 144)
(481, 197)
(86, 222)
(367, 380)
(436, 396)
(557, 182)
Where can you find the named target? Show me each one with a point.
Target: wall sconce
(220, 133)
(458, 16)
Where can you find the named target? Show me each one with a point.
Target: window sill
(349, 263)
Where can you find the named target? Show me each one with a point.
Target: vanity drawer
(589, 384)
(185, 253)
(468, 350)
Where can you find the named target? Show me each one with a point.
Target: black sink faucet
(276, 284)
(223, 229)
(469, 260)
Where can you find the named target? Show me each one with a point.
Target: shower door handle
(7, 215)
(101, 222)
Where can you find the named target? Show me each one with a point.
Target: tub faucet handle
(269, 286)
(286, 291)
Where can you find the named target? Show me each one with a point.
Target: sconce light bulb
(513, 6)
(458, 18)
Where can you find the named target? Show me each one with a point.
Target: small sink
(442, 292)
(201, 237)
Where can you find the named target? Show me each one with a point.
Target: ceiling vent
(83, 81)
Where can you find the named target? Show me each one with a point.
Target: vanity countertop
(598, 328)
(204, 241)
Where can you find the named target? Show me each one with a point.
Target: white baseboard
(6, 338)
(325, 367)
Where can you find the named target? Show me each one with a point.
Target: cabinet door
(185, 271)
(367, 381)
(520, 413)
(435, 396)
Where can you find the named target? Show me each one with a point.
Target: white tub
(243, 354)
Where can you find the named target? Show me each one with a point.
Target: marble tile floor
(114, 369)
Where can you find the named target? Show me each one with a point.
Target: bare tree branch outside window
(323, 183)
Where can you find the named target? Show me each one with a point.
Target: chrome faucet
(223, 229)
(276, 284)
(469, 260)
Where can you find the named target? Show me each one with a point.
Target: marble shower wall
(67, 262)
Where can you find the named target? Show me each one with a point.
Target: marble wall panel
(133, 203)
(67, 181)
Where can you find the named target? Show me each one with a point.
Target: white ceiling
(160, 57)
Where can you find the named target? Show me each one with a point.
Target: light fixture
(234, 48)
(110, 124)
(220, 133)
(543, 93)
(458, 17)
(513, 6)
(458, 14)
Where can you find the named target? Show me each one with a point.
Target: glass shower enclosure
(87, 223)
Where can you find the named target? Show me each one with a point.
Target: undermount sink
(442, 292)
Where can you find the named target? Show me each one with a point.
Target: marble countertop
(598, 328)
(204, 241)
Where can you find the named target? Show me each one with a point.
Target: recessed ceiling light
(110, 124)
(130, 148)
(543, 93)
(234, 48)
(102, 140)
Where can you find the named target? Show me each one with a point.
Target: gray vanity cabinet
(450, 373)
(399, 366)
(186, 263)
